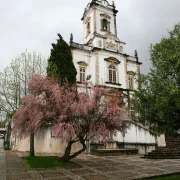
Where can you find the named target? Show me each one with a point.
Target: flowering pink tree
(74, 117)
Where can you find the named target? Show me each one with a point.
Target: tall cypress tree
(60, 63)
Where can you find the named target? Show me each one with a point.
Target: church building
(102, 55)
(101, 59)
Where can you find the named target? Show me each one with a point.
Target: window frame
(82, 75)
(113, 71)
(88, 28)
(102, 24)
(131, 82)
(132, 111)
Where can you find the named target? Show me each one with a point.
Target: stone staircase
(171, 151)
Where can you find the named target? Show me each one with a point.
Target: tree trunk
(32, 144)
(67, 155)
(8, 132)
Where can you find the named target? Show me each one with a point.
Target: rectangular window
(114, 76)
(130, 83)
(132, 112)
(82, 74)
(110, 76)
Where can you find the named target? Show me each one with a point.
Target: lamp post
(87, 135)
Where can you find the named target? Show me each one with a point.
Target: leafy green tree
(157, 101)
(13, 84)
(2, 124)
(14, 78)
(60, 63)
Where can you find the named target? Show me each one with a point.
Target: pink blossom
(72, 115)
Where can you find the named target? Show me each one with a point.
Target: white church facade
(102, 56)
(101, 59)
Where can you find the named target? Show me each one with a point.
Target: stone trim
(131, 73)
(136, 62)
(105, 16)
(82, 63)
(136, 143)
(113, 83)
(112, 60)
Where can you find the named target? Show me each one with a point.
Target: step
(163, 154)
(166, 152)
(173, 147)
(160, 157)
(114, 152)
(172, 140)
(170, 151)
(172, 144)
(167, 149)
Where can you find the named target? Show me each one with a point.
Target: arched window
(112, 74)
(105, 24)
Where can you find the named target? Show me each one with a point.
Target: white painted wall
(89, 18)
(1, 143)
(137, 137)
(135, 134)
(43, 143)
(90, 59)
(102, 10)
(142, 149)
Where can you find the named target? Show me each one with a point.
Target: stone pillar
(161, 140)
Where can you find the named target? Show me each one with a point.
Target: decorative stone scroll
(111, 45)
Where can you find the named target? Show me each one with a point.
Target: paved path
(93, 168)
(2, 160)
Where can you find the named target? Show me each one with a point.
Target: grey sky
(34, 24)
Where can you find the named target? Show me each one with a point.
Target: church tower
(99, 26)
(102, 56)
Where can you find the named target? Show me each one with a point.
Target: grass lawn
(175, 177)
(43, 162)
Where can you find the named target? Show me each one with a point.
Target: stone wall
(44, 142)
(138, 137)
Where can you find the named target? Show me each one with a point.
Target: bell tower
(99, 20)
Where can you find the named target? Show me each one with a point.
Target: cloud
(33, 25)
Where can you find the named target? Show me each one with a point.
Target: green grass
(43, 162)
(175, 177)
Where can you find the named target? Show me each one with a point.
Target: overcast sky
(34, 24)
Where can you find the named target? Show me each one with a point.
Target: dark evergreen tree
(60, 63)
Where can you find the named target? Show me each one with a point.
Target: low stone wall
(143, 148)
(114, 152)
(44, 142)
(136, 134)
